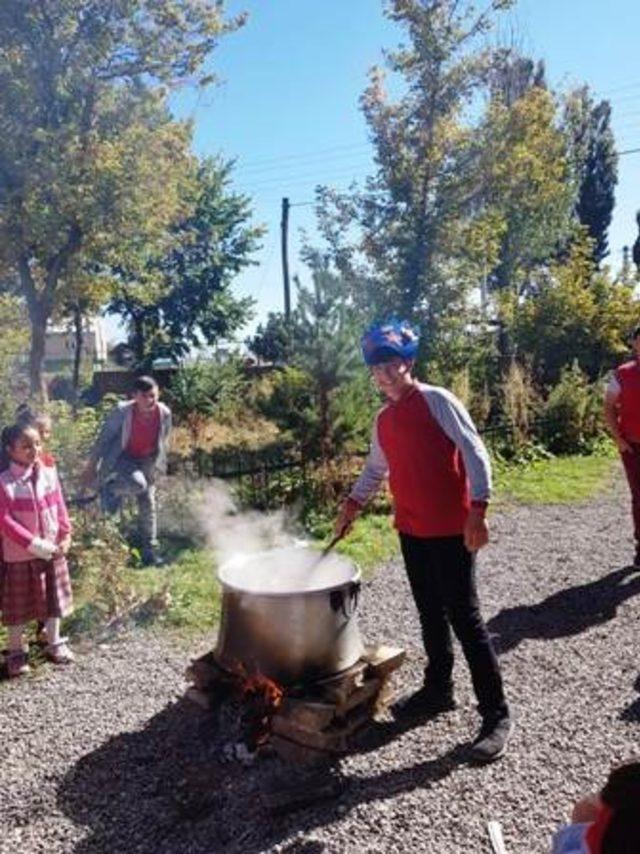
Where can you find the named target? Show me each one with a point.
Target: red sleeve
(9, 526)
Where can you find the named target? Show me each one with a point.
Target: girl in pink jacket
(36, 535)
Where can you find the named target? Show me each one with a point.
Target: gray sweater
(114, 437)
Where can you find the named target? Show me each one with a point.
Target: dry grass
(209, 434)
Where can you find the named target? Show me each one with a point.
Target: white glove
(41, 548)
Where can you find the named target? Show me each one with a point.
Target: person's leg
(424, 579)
(53, 630)
(148, 520)
(17, 664)
(463, 608)
(631, 462)
(458, 581)
(57, 650)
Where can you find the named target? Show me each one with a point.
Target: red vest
(143, 441)
(426, 473)
(628, 375)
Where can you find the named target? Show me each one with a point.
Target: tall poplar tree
(595, 163)
(413, 212)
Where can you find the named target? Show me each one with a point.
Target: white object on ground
(495, 835)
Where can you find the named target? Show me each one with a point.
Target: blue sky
(287, 109)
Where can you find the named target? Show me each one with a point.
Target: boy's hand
(476, 530)
(623, 446)
(349, 511)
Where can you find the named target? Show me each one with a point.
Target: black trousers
(442, 575)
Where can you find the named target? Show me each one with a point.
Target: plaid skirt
(34, 590)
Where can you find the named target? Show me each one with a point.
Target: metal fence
(280, 474)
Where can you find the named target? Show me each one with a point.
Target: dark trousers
(442, 575)
(631, 462)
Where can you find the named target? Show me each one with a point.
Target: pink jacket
(33, 515)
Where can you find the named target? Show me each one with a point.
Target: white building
(60, 343)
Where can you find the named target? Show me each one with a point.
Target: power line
(258, 164)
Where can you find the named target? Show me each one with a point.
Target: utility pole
(284, 226)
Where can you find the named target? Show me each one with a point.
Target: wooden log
(204, 673)
(383, 660)
(199, 698)
(308, 714)
(339, 687)
(329, 740)
(365, 693)
(296, 754)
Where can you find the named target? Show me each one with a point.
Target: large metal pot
(288, 615)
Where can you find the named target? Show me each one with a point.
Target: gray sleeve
(374, 471)
(613, 387)
(111, 427)
(456, 422)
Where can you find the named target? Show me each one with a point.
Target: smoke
(231, 533)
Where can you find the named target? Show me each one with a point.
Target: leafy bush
(98, 562)
(204, 389)
(290, 404)
(572, 417)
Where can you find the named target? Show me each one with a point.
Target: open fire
(305, 722)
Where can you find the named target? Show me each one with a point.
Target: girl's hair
(26, 417)
(9, 437)
(622, 794)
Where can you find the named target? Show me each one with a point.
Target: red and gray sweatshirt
(436, 462)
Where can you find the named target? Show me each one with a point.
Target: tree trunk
(38, 318)
(138, 338)
(77, 352)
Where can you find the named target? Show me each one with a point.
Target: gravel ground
(107, 757)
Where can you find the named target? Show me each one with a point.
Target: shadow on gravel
(166, 788)
(565, 613)
(632, 712)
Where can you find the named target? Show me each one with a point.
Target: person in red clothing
(130, 450)
(622, 417)
(440, 479)
(607, 822)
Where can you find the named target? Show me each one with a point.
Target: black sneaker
(491, 741)
(427, 702)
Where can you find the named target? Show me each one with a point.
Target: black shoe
(427, 702)
(491, 741)
(150, 558)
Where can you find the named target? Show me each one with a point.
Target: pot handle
(345, 600)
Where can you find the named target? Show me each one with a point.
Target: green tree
(512, 75)
(413, 212)
(526, 184)
(636, 246)
(90, 163)
(13, 343)
(272, 339)
(323, 357)
(594, 162)
(193, 303)
(576, 313)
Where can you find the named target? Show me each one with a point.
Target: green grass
(372, 541)
(559, 480)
